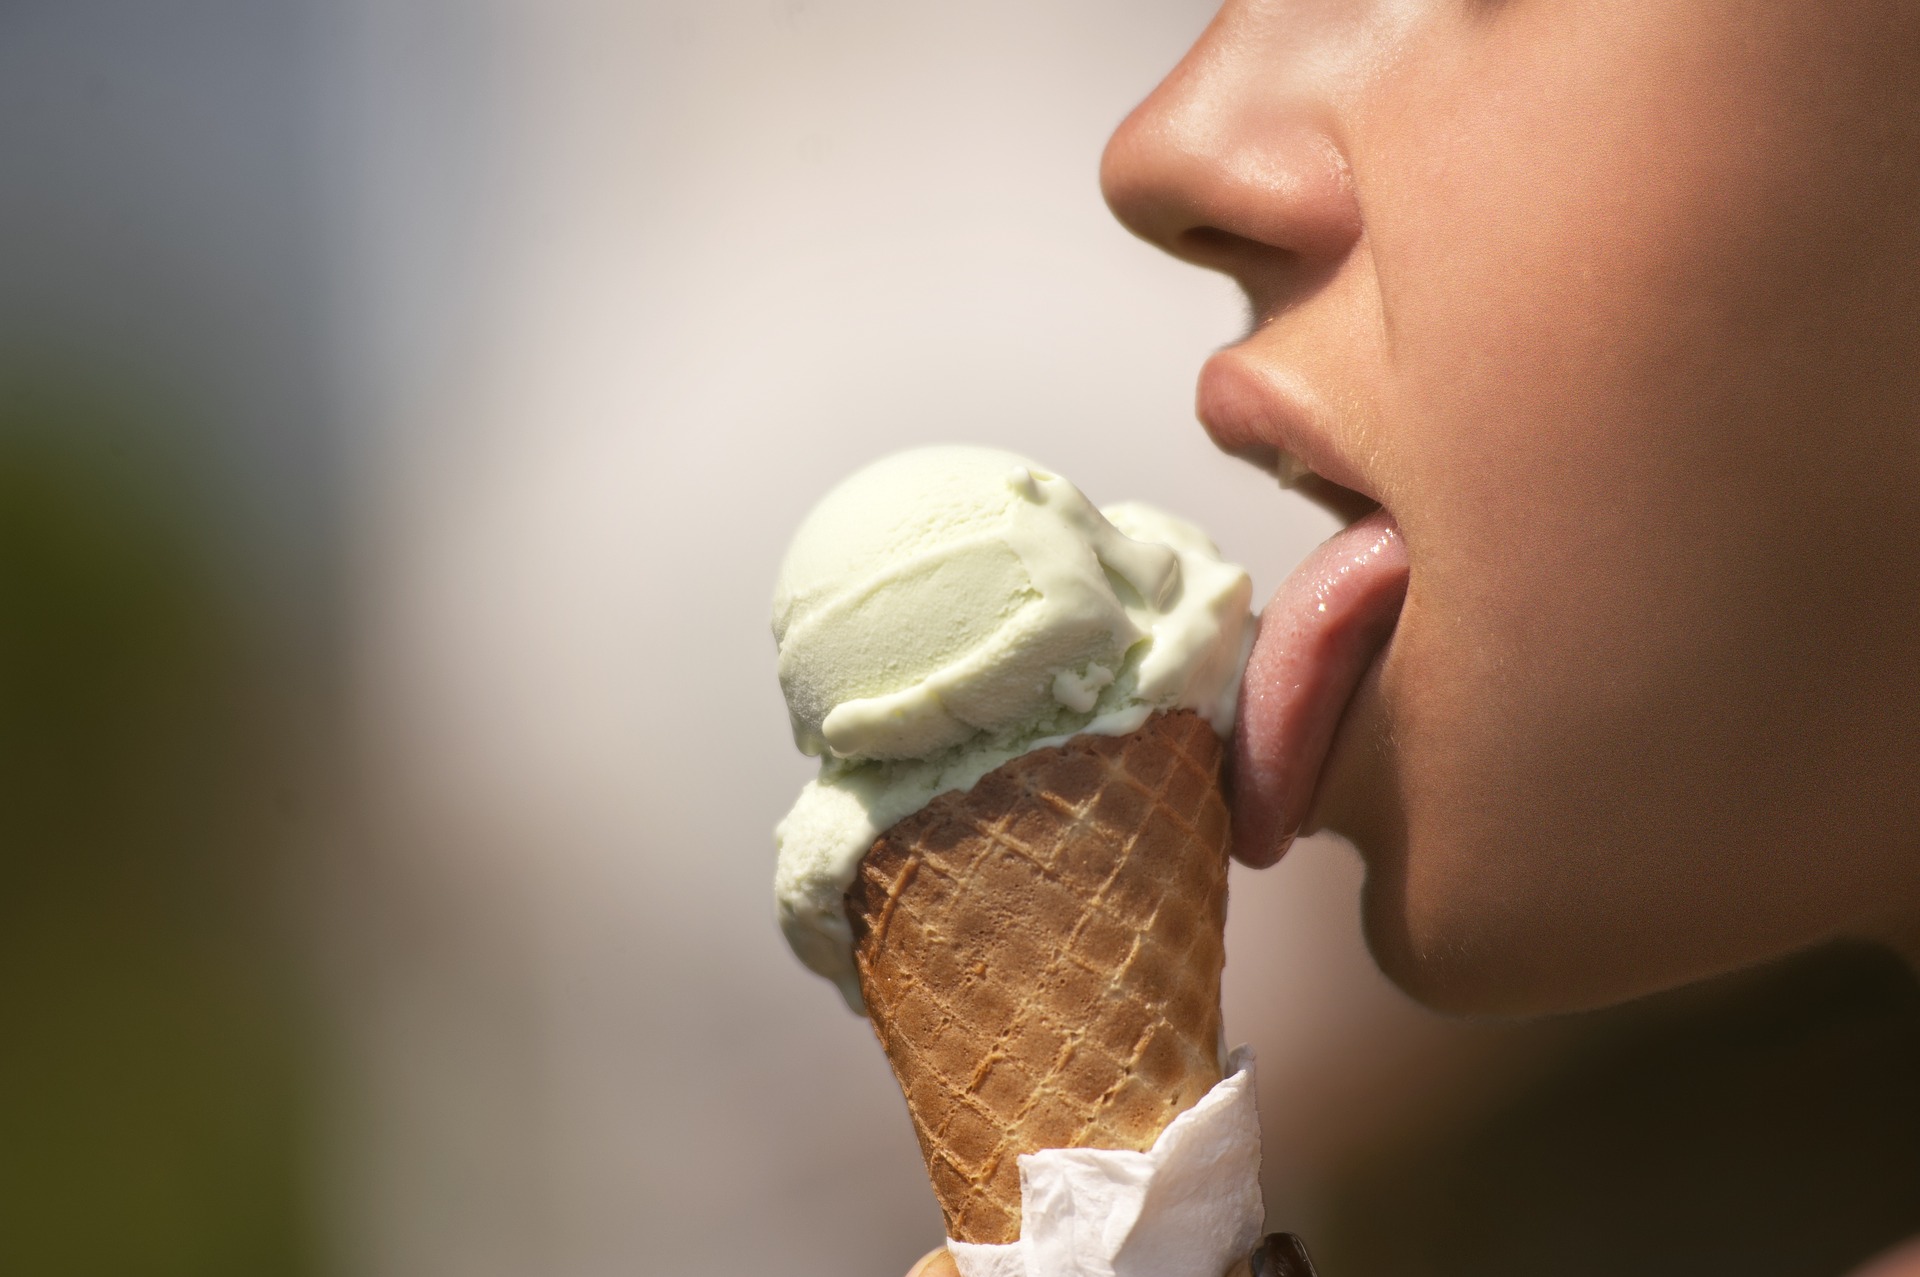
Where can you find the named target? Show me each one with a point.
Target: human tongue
(1318, 635)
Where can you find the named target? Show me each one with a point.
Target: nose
(1235, 162)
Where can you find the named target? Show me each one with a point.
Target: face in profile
(1615, 308)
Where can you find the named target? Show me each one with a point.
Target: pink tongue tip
(1318, 636)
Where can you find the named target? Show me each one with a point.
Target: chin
(1449, 969)
(1459, 968)
(1432, 952)
(1461, 910)
(1463, 938)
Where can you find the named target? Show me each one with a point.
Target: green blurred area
(156, 1115)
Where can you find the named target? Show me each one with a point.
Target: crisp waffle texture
(1041, 957)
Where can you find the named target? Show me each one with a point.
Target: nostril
(1212, 243)
(1245, 258)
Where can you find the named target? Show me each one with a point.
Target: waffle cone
(1041, 957)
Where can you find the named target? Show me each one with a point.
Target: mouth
(1325, 626)
(1270, 418)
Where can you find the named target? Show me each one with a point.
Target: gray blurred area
(403, 406)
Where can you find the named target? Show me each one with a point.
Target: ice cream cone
(1041, 957)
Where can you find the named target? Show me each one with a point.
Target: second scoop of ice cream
(947, 609)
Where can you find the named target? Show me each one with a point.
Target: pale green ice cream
(948, 609)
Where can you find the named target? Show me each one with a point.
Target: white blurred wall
(620, 288)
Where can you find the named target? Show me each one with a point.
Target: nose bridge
(1241, 142)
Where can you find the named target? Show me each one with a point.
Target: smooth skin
(1615, 306)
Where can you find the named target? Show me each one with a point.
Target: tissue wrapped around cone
(1041, 957)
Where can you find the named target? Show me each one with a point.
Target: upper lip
(1269, 417)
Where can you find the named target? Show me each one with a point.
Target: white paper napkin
(1188, 1207)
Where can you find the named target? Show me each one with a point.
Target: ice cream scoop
(948, 609)
(1015, 855)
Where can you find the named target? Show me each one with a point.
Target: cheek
(1634, 379)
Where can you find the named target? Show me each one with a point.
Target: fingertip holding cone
(936, 1263)
(1041, 957)
(1280, 1255)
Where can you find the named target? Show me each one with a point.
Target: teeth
(1289, 469)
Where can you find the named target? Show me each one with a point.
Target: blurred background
(403, 406)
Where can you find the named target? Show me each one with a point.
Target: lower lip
(1319, 635)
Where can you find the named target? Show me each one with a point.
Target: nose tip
(1219, 167)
